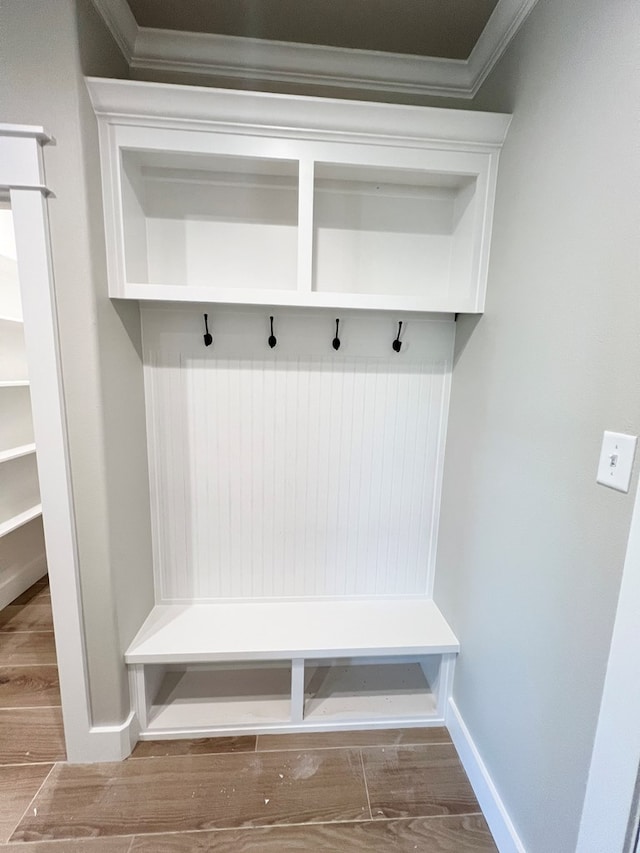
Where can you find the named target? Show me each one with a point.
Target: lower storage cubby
(351, 691)
(199, 699)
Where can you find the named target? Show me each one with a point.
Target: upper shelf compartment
(209, 221)
(382, 231)
(241, 197)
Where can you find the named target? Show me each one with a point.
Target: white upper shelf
(282, 630)
(256, 198)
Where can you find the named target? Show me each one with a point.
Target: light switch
(616, 460)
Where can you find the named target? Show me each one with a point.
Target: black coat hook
(272, 341)
(208, 338)
(336, 341)
(397, 344)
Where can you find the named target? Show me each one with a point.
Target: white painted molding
(503, 831)
(267, 113)
(234, 58)
(30, 131)
(21, 157)
(123, 27)
(22, 173)
(505, 21)
(111, 743)
(611, 801)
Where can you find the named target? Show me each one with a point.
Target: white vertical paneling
(296, 471)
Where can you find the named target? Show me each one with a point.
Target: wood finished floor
(390, 791)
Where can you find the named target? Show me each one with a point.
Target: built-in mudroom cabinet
(299, 264)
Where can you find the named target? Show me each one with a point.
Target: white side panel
(298, 471)
(36, 279)
(135, 235)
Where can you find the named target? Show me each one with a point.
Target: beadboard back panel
(298, 471)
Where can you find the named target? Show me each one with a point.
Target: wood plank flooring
(398, 790)
(29, 686)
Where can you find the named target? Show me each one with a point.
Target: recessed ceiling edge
(312, 65)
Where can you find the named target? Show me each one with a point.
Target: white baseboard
(502, 829)
(15, 580)
(104, 743)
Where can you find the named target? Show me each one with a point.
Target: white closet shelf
(294, 299)
(281, 630)
(16, 452)
(17, 521)
(17, 320)
(13, 383)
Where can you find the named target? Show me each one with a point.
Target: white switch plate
(616, 460)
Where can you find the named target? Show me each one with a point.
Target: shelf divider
(305, 226)
(297, 690)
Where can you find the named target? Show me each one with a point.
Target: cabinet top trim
(168, 105)
(31, 131)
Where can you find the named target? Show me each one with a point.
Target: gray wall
(531, 549)
(45, 47)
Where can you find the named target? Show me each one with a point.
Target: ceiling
(397, 50)
(440, 28)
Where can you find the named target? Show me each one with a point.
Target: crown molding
(233, 58)
(505, 21)
(294, 116)
(123, 26)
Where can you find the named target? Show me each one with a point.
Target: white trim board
(495, 812)
(610, 804)
(22, 173)
(268, 114)
(234, 58)
(110, 743)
